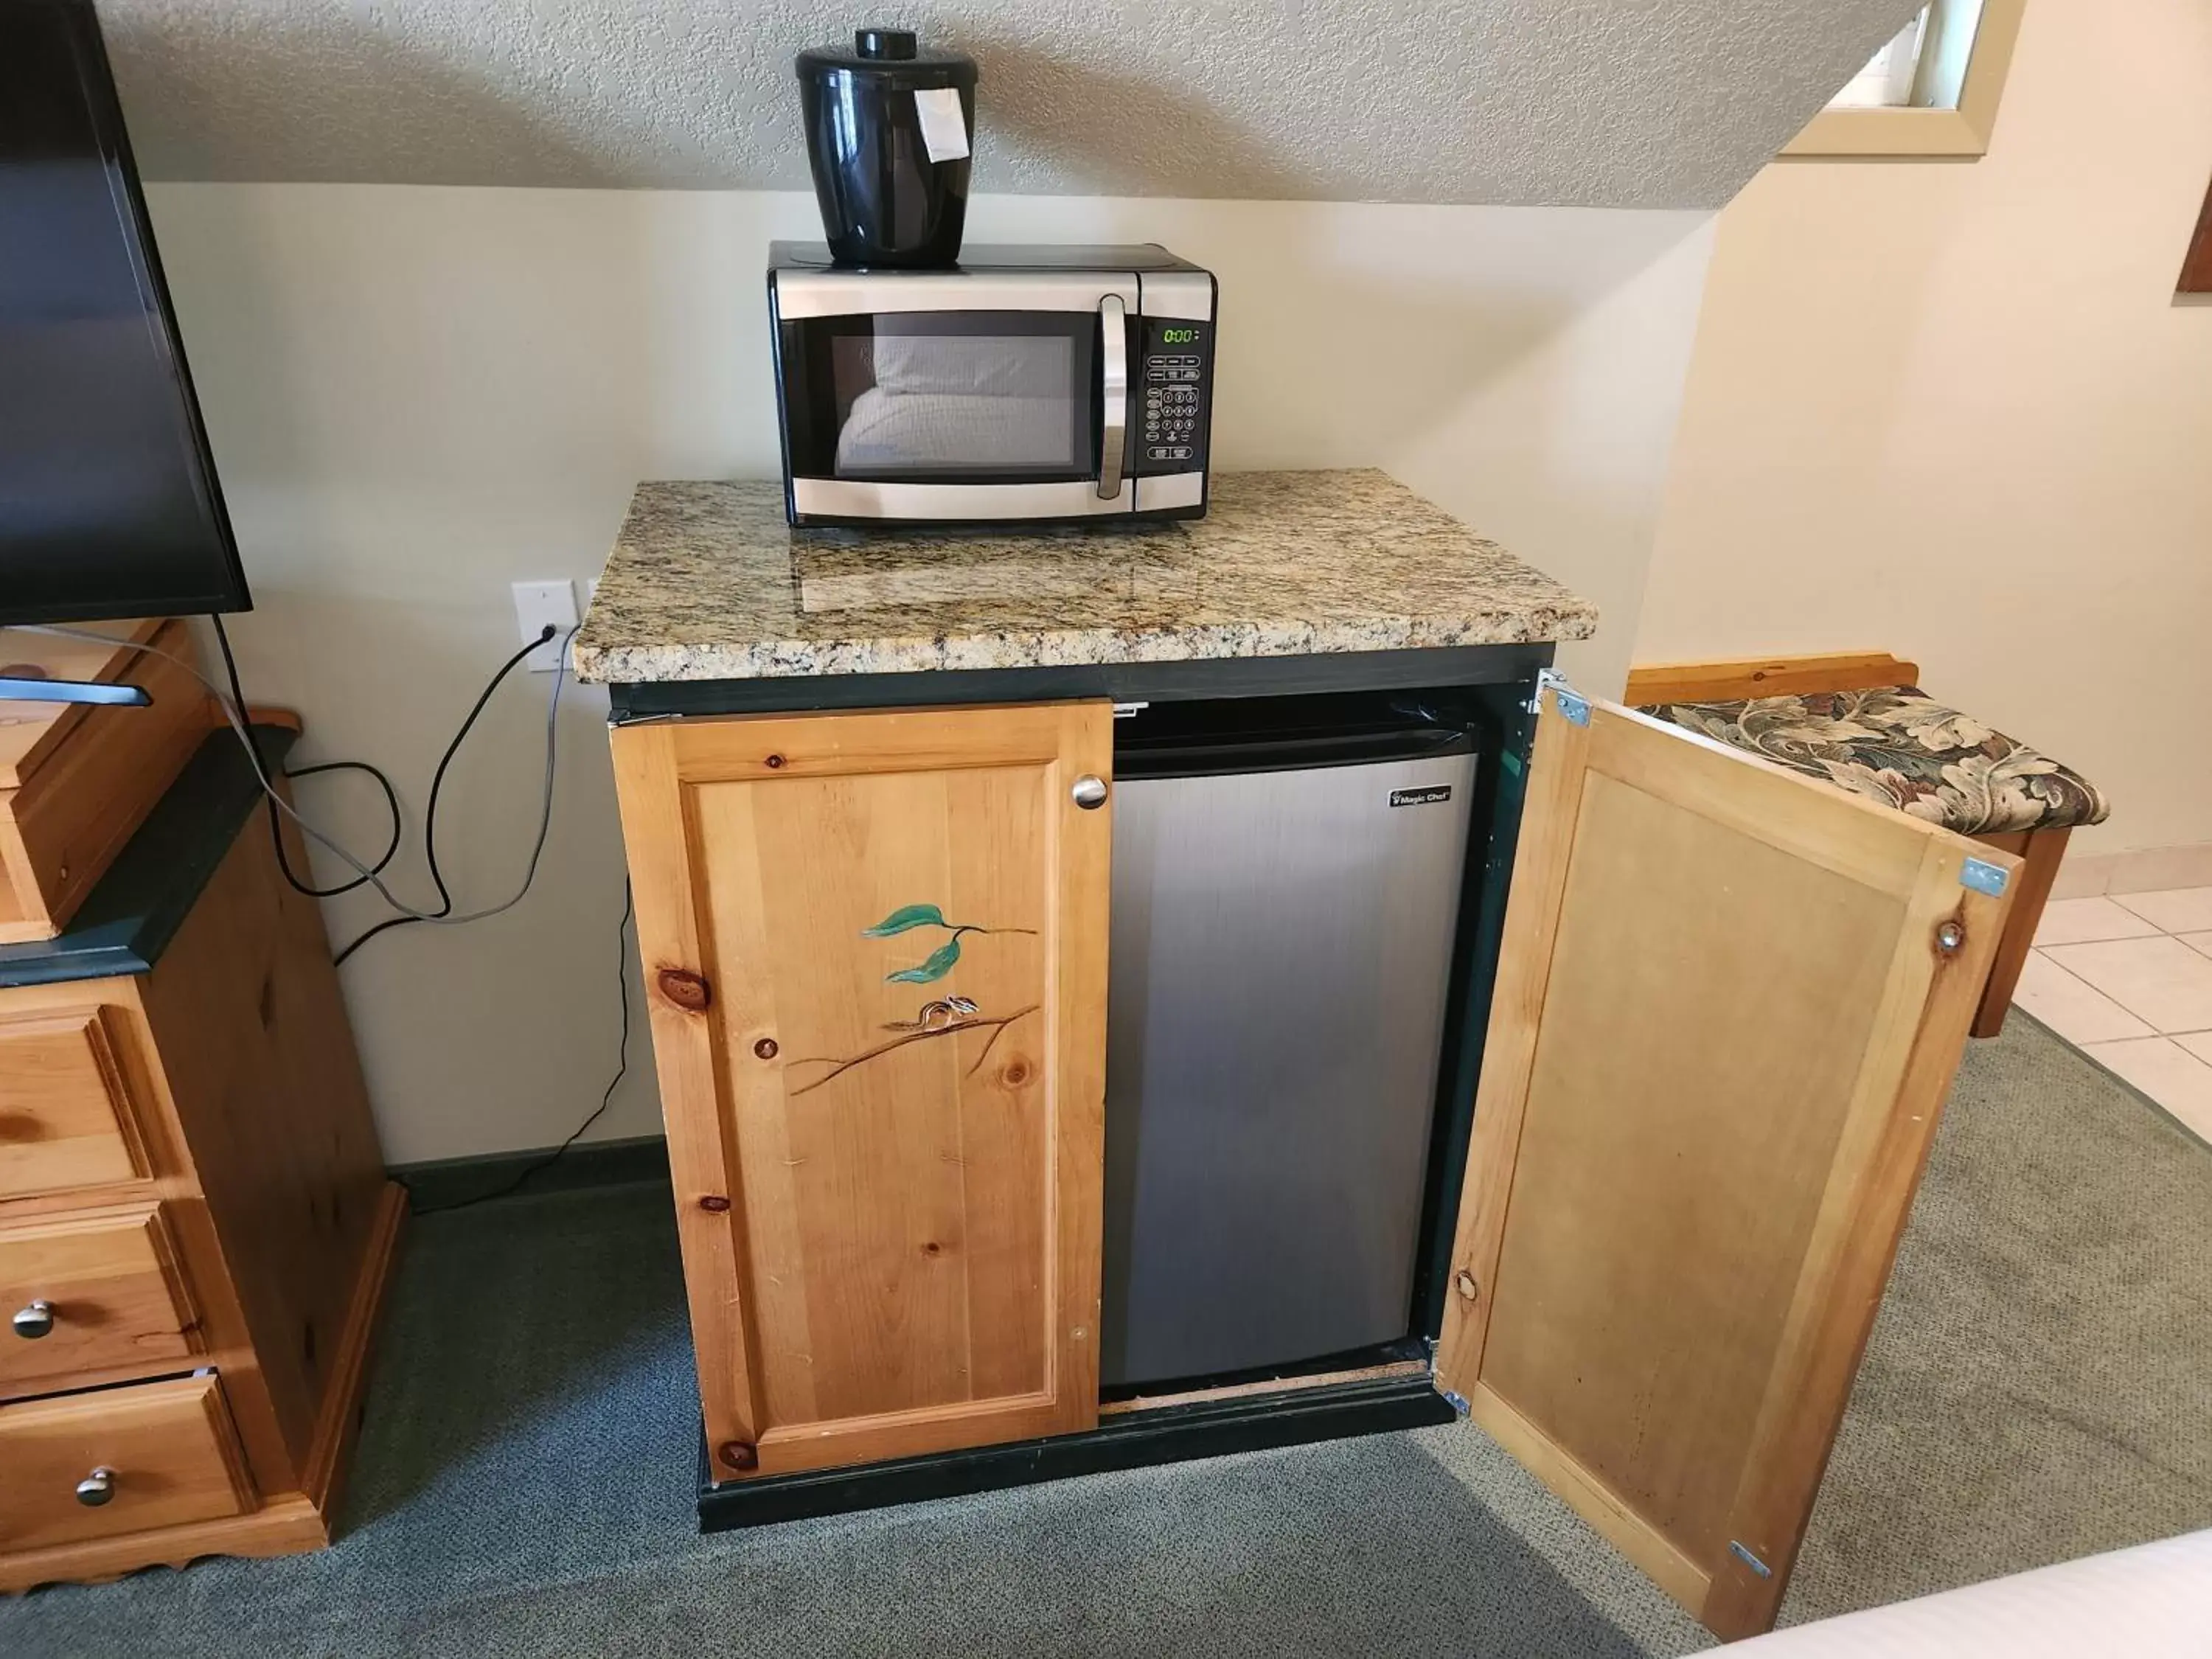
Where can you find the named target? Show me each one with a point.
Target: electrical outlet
(537, 603)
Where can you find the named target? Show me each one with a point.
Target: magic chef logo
(1428, 795)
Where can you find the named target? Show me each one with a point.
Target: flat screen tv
(109, 506)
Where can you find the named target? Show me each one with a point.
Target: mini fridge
(1285, 895)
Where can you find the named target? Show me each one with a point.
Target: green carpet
(2035, 1390)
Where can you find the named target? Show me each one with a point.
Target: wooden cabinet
(1728, 1004)
(195, 1226)
(875, 950)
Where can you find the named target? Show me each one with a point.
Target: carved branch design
(839, 1068)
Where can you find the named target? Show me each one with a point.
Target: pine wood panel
(256, 1062)
(1722, 1035)
(908, 1260)
(65, 1113)
(118, 1296)
(88, 784)
(1766, 677)
(2041, 852)
(170, 1444)
(281, 1526)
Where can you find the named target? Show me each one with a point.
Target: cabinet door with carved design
(874, 948)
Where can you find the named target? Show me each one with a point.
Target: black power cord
(261, 764)
(430, 812)
(437, 876)
(622, 1070)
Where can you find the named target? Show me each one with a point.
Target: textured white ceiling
(1613, 103)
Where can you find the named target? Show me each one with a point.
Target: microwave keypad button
(1171, 426)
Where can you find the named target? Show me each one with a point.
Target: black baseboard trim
(438, 1183)
(1168, 1434)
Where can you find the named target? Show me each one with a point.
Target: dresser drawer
(117, 1460)
(87, 1292)
(65, 1117)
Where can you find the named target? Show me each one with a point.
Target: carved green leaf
(905, 917)
(937, 966)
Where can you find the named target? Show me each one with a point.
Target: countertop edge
(596, 664)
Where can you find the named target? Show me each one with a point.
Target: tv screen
(109, 506)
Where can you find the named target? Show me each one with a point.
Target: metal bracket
(1572, 703)
(1455, 1401)
(1124, 711)
(1749, 1560)
(1984, 877)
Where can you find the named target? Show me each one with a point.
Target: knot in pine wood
(685, 989)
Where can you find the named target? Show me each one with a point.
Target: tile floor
(2128, 979)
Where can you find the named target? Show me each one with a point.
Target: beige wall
(419, 395)
(1953, 409)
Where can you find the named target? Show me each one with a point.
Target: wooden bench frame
(2039, 850)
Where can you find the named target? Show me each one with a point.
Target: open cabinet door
(1730, 1004)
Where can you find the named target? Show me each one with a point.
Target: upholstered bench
(1862, 723)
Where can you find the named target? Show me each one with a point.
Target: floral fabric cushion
(1897, 746)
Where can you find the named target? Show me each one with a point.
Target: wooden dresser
(195, 1225)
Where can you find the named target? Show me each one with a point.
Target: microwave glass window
(934, 403)
(959, 397)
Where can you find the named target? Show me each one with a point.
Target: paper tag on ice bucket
(944, 130)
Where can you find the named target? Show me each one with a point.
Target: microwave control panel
(1175, 373)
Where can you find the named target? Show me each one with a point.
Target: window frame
(1963, 131)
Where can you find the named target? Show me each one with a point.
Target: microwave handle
(1113, 395)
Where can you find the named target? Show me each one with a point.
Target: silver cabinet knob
(1089, 792)
(96, 1488)
(34, 1322)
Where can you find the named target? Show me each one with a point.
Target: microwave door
(993, 408)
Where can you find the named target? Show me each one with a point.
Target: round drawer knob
(34, 1322)
(1089, 792)
(96, 1488)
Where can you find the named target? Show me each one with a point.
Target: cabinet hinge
(1572, 703)
(1749, 1560)
(1984, 877)
(1457, 1402)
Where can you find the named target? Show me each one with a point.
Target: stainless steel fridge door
(1280, 946)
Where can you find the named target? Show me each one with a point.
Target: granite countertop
(707, 582)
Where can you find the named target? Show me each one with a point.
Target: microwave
(1025, 385)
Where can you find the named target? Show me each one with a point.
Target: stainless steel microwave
(1035, 385)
